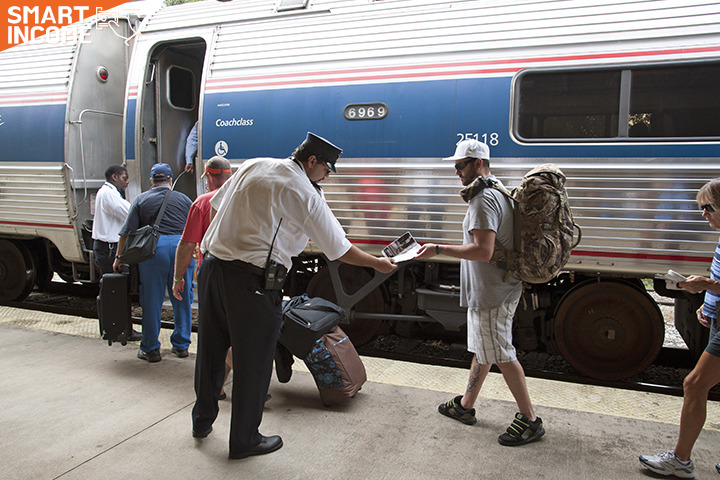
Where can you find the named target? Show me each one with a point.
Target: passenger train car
(624, 96)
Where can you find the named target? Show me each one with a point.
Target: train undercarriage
(605, 327)
(26, 264)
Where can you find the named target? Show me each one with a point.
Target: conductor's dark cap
(321, 148)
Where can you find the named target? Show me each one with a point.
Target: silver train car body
(622, 95)
(61, 111)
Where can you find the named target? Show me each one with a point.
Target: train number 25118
(491, 139)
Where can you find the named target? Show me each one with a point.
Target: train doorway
(170, 105)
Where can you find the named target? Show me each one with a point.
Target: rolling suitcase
(336, 367)
(113, 306)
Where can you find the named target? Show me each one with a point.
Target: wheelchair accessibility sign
(221, 148)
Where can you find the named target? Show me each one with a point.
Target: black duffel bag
(305, 320)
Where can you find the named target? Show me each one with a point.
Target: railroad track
(63, 298)
(664, 376)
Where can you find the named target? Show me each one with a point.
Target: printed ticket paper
(402, 249)
(52, 22)
(672, 278)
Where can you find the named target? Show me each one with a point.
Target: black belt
(249, 267)
(106, 243)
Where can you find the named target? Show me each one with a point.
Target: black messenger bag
(141, 244)
(305, 320)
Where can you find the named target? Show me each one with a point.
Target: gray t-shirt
(481, 284)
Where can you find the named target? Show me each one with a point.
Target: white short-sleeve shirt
(111, 210)
(250, 206)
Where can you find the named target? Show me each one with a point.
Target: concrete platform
(75, 408)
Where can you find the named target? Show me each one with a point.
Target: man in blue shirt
(156, 274)
(191, 147)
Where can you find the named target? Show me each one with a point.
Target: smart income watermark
(57, 25)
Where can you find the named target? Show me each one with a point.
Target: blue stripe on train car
(419, 121)
(425, 119)
(33, 133)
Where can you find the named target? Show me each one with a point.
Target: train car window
(181, 88)
(569, 105)
(675, 102)
(679, 102)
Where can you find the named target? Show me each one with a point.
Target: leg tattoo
(475, 378)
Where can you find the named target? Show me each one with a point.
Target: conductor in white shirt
(266, 213)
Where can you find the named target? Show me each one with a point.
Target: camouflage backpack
(543, 226)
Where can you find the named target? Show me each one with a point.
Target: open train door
(169, 108)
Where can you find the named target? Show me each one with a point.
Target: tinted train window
(672, 102)
(569, 105)
(181, 88)
(675, 102)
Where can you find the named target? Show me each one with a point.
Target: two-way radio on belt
(275, 273)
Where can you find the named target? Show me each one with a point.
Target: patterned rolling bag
(113, 305)
(336, 367)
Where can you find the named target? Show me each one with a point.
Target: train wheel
(359, 331)
(608, 330)
(43, 272)
(17, 276)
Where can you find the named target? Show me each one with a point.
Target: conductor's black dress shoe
(266, 445)
(202, 434)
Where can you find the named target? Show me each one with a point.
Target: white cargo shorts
(489, 334)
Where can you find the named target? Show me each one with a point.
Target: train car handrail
(79, 121)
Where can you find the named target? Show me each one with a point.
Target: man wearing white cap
(266, 213)
(491, 301)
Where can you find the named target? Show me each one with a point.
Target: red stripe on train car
(29, 224)
(293, 78)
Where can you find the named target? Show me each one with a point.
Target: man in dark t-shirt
(156, 273)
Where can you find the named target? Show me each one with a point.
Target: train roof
(257, 37)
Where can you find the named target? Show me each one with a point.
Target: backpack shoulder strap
(502, 257)
(502, 189)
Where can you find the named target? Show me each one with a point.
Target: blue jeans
(156, 278)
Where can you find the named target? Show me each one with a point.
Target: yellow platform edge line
(648, 406)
